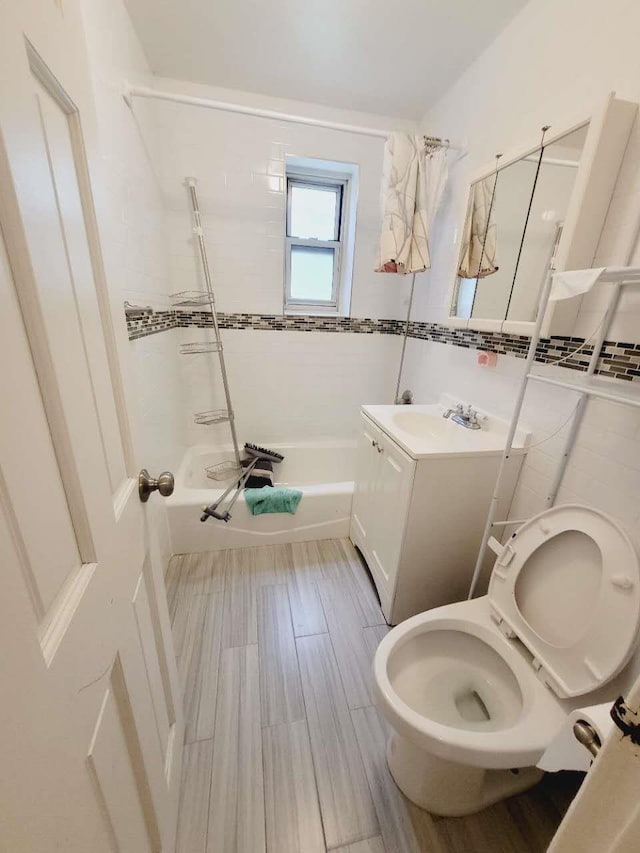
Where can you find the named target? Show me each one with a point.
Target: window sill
(313, 312)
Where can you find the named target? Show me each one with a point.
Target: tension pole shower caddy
(585, 384)
(203, 299)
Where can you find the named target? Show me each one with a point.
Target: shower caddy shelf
(205, 299)
(214, 416)
(199, 347)
(191, 298)
(586, 385)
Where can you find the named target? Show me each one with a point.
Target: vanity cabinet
(384, 484)
(418, 522)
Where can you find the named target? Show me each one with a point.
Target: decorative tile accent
(150, 323)
(617, 359)
(159, 321)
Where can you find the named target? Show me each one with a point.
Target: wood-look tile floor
(284, 745)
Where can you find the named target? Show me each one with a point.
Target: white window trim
(325, 173)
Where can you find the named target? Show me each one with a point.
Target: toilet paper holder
(586, 735)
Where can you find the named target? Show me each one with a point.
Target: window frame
(340, 185)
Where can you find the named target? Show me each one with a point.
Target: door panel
(82, 298)
(91, 728)
(152, 665)
(112, 758)
(50, 551)
(395, 483)
(51, 800)
(362, 513)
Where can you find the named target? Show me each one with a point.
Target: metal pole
(493, 507)
(131, 92)
(582, 400)
(404, 341)
(197, 230)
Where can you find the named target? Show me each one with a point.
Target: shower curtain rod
(131, 92)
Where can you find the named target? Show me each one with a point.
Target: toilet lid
(567, 584)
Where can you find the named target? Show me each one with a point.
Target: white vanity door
(392, 494)
(363, 520)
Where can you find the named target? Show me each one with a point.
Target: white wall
(131, 220)
(285, 385)
(551, 65)
(239, 163)
(292, 386)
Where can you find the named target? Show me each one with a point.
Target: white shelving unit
(586, 385)
(614, 390)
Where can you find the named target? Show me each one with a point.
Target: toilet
(475, 691)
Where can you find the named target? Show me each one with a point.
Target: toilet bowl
(475, 691)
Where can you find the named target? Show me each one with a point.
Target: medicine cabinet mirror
(541, 206)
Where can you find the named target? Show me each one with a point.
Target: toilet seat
(567, 584)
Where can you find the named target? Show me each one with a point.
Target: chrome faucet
(467, 418)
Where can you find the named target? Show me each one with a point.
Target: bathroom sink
(422, 431)
(420, 423)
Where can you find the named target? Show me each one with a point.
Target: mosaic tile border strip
(148, 322)
(618, 359)
(152, 322)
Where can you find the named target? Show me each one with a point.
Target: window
(317, 262)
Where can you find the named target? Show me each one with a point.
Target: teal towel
(272, 499)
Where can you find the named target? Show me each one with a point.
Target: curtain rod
(147, 92)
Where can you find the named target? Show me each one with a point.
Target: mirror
(477, 249)
(554, 186)
(512, 228)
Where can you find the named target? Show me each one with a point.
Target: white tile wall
(239, 162)
(604, 469)
(285, 385)
(159, 398)
(549, 65)
(534, 74)
(132, 222)
(131, 219)
(292, 386)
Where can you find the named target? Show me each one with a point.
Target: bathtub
(324, 471)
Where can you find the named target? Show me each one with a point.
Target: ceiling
(392, 57)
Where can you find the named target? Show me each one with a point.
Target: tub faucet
(467, 418)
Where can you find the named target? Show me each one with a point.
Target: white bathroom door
(90, 724)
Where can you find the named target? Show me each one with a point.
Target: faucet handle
(474, 419)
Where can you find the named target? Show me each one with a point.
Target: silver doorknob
(147, 484)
